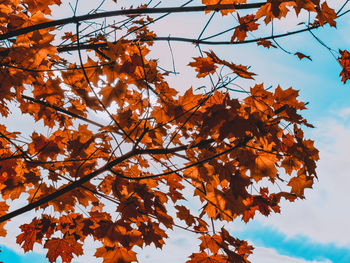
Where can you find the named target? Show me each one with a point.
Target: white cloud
(179, 246)
(269, 255)
(344, 113)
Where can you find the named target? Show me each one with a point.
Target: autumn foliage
(125, 181)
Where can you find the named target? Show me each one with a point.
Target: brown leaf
(246, 24)
(265, 43)
(344, 61)
(115, 255)
(64, 248)
(204, 66)
(301, 56)
(299, 184)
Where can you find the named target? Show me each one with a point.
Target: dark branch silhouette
(139, 11)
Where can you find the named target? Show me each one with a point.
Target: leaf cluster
(123, 180)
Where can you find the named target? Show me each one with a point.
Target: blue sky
(313, 230)
(8, 255)
(298, 246)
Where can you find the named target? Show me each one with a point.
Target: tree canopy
(120, 153)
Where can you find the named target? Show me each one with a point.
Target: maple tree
(129, 174)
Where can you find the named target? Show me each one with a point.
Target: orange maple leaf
(113, 93)
(64, 248)
(301, 56)
(204, 66)
(203, 257)
(184, 214)
(216, 3)
(240, 70)
(299, 183)
(344, 61)
(326, 15)
(265, 43)
(211, 242)
(246, 24)
(115, 254)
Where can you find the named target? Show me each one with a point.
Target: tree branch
(139, 11)
(174, 149)
(92, 175)
(66, 188)
(240, 144)
(188, 40)
(61, 110)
